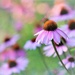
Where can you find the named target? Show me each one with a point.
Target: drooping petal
(56, 37)
(51, 35)
(38, 32)
(62, 34)
(49, 52)
(60, 51)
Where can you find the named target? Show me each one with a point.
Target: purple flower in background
(64, 12)
(9, 42)
(31, 44)
(69, 62)
(18, 26)
(49, 32)
(19, 52)
(14, 66)
(69, 28)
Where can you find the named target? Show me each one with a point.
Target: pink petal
(62, 34)
(49, 52)
(56, 37)
(71, 42)
(60, 51)
(39, 36)
(64, 48)
(38, 32)
(72, 33)
(73, 65)
(68, 65)
(47, 47)
(64, 61)
(51, 35)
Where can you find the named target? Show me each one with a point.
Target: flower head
(64, 12)
(14, 66)
(69, 62)
(31, 44)
(69, 28)
(9, 41)
(18, 51)
(61, 47)
(50, 32)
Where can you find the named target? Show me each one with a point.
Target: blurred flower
(9, 42)
(64, 12)
(17, 12)
(42, 8)
(69, 62)
(49, 32)
(6, 4)
(69, 28)
(28, 7)
(14, 66)
(19, 52)
(3, 56)
(61, 47)
(49, 50)
(31, 44)
(18, 26)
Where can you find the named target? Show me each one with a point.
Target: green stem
(44, 61)
(59, 55)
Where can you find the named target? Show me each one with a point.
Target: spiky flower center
(16, 47)
(33, 40)
(12, 64)
(50, 25)
(71, 59)
(64, 11)
(44, 20)
(71, 24)
(7, 39)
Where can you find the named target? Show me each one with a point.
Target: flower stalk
(59, 56)
(44, 61)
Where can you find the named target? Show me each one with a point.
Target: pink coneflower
(18, 51)
(31, 44)
(69, 62)
(64, 12)
(9, 41)
(14, 66)
(49, 50)
(69, 28)
(49, 32)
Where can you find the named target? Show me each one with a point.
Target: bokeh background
(14, 21)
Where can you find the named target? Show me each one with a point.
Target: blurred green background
(35, 66)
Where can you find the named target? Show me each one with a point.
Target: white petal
(64, 48)
(73, 65)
